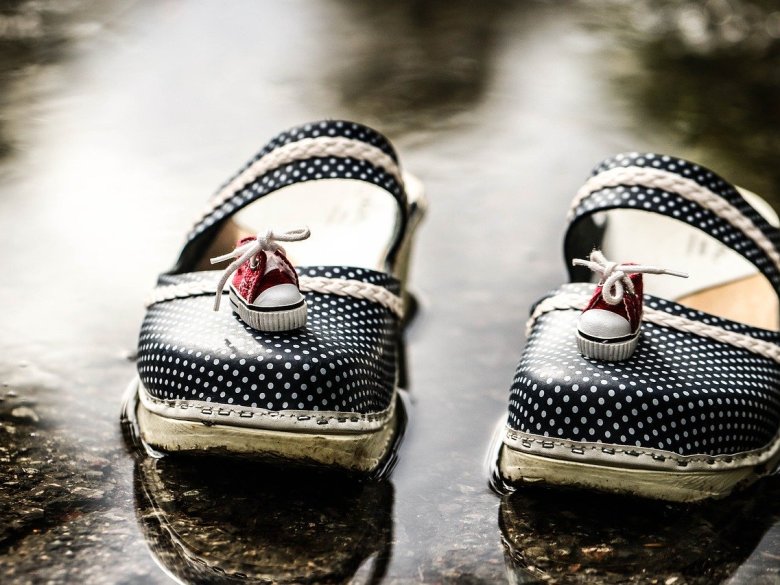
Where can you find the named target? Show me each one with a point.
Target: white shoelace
(614, 277)
(266, 242)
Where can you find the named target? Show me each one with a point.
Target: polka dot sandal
(694, 412)
(323, 392)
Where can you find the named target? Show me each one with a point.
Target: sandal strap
(331, 149)
(345, 287)
(681, 190)
(570, 301)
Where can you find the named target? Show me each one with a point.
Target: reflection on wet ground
(270, 529)
(551, 536)
(117, 120)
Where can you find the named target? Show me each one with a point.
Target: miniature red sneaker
(609, 326)
(264, 291)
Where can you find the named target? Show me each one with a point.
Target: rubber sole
(691, 483)
(282, 319)
(606, 350)
(357, 451)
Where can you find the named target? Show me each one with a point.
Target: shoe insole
(352, 222)
(721, 281)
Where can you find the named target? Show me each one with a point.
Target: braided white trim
(354, 288)
(319, 284)
(685, 188)
(302, 149)
(570, 301)
(560, 302)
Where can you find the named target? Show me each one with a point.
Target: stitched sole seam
(640, 458)
(208, 412)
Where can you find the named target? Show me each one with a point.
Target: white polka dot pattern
(314, 168)
(679, 392)
(343, 360)
(672, 205)
(315, 130)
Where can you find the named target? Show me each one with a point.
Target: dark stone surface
(271, 529)
(117, 119)
(582, 537)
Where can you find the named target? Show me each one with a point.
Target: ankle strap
(678, 189)
(332, 149)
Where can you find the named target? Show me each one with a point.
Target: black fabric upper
(679, 392)
(344, 359)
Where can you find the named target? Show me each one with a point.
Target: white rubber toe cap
(281, 295)
(603, 324)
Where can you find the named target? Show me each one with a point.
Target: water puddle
(209, 519)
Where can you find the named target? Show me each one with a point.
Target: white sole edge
(606, 351)
(640, 472)
(211, 413)
(284, 319)
(360, 451)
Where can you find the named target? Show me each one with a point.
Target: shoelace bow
(266, 242)
(614, 277)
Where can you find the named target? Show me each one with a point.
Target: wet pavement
(117, 120)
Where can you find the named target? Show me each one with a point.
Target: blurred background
(119, 118)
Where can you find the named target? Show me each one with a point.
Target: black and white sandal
(316, 384)
(692, 412)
